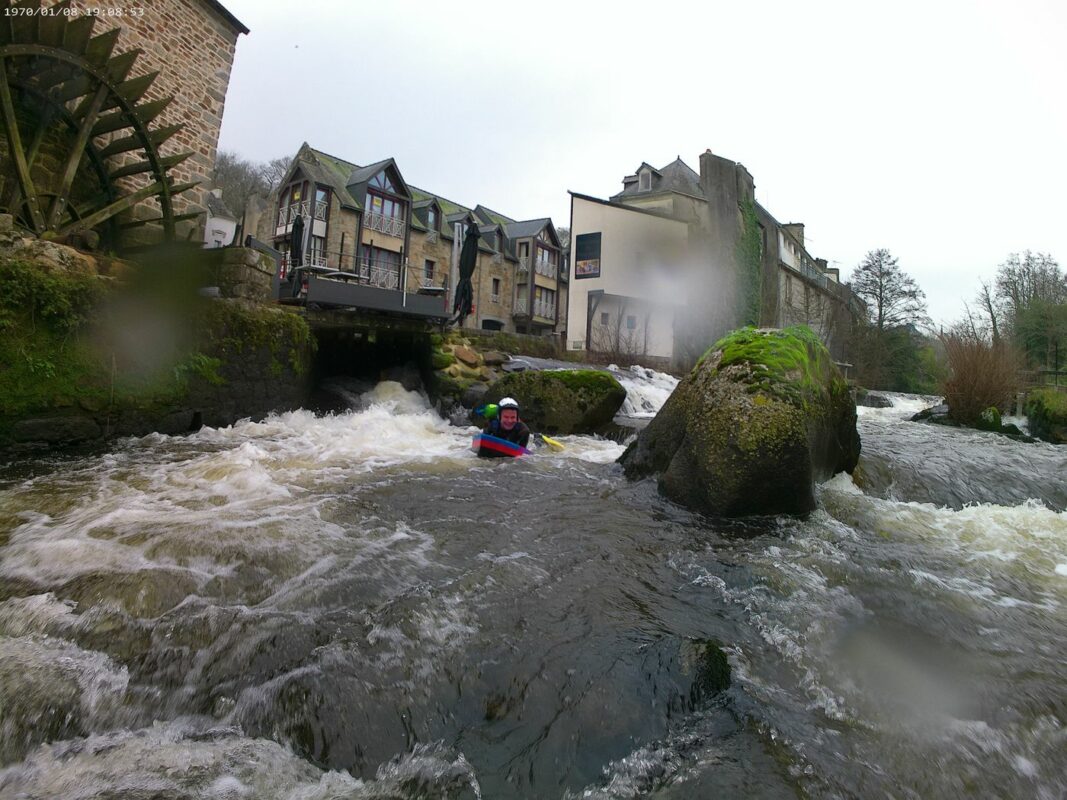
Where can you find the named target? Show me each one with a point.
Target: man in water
(507, 425)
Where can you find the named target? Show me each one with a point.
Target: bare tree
(892, 296)
(274, 170)
(239, 178)
(988, 303)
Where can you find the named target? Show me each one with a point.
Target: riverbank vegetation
(1013, 335)
(888, 347)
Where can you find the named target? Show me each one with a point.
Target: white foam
(646, 390)
(905, 406)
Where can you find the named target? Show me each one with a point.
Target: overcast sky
(935, 129)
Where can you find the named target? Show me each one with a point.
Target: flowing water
(353, 605)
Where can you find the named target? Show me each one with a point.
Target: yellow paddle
(552, 443)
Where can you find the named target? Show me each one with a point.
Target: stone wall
(192, 44)
(239, 272)
(488, 269)
(94, 347)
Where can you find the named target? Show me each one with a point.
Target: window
(381, 181)
(431, 218)
(386, 206)
(496, 287)
(428, 270)
(378, 258)
(317, 247)
(605, 318)
(321, 195)
(645, 181)
(524, 250)
(631, 322)
(544, 302)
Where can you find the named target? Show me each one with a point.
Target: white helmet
(508, 402)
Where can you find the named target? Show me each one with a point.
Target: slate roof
(218, 208)
(675, 177)
(490, 217)
(530, 227)
(330, 170)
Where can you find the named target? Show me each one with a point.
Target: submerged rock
(562, 401)
(762, 416)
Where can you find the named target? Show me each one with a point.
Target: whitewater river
(354, 606)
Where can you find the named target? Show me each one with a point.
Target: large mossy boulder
(562, 401)
(1046, 410)
(762, 417)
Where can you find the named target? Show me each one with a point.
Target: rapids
(354, 606)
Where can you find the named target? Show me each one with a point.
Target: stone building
(191, 43)
(678, 258)
(369, 222)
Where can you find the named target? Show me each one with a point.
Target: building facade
(678, 258)
(368, 223)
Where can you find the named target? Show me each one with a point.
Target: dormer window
(381, 181)
(644, 181)
(431, 218)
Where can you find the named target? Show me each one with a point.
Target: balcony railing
(384, 274)
(390, 226)
(305, 209)
(310, 260)
(494, 298)
(524, 264)
(545, 310)
(431, 237)
(520, 307)
(546, 268)
(497, 259)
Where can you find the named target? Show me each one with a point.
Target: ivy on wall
(749, 262)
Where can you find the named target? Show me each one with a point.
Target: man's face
(508, 418)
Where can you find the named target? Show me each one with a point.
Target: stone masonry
(192, 44)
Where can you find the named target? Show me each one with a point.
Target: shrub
(982, 375)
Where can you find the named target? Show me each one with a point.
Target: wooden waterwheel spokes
(79, 142)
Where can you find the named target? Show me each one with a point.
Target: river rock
(562, 401)
(55, 430)
(1046, 410)
(872, 400)
(474, 396)
(494, 358)
(466, 356)
(762, 416)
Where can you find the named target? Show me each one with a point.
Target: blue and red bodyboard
(488, 446)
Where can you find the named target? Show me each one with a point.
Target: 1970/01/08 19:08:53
(69, 11)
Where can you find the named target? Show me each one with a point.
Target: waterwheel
(79, 149)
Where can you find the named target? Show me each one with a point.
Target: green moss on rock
(989, 419)
(562, 401)
(442, 360)
(1046, 410)
(80, 353)
(763, 415)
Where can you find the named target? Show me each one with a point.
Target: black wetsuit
(519, 433)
